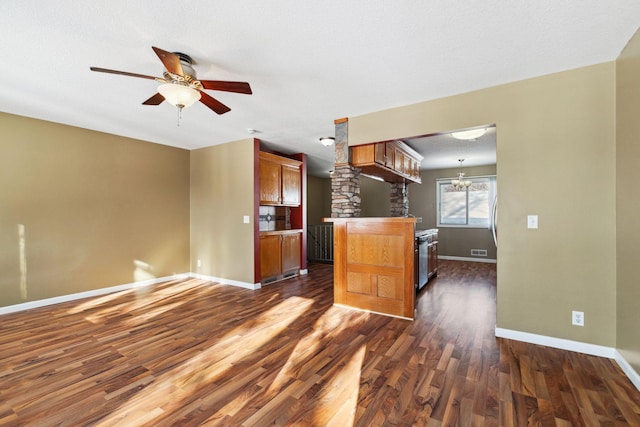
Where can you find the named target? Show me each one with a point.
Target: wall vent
(478, 252)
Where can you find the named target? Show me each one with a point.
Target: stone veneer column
(345, 179)
(399, 199)
(345, 192)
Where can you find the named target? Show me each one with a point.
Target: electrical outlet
(577, 318)
(532, 221)
(199, 263)
(245, 219)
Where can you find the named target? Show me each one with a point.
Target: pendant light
(460, 183)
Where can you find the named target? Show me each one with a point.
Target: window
(469, 207)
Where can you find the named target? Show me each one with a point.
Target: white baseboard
(103, 291)
(577, 346)
(246, 285)
(563, 344)
(631, 373)
(461, 258)
(87, 294)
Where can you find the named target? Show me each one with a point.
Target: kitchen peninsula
(374, 264)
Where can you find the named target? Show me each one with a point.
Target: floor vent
(478, 252)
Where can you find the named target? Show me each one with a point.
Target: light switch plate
(245, 219)
(532, 221)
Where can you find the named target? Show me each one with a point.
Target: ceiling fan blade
(170, 61)
(156, 99)
(123, 73)
(213, 103)
(238, 87)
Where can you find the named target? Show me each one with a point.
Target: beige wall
(456, 242)
(222, 192)
(374, 198)
(318, 199)
(96, 210)
(628, 202)
(556, 159)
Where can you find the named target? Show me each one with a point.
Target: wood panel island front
(373, 266)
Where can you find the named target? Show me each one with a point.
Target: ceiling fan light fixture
(179, 95)
(469, 134)
(327, 141)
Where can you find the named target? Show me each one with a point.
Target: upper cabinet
(290, 185)
(392, 161)
(270, 182)
(280, 180)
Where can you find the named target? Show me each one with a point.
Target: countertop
(278, 232)
(420, 233)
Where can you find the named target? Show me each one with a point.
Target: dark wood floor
(196, 353)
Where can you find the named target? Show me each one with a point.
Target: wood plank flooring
(191, 353)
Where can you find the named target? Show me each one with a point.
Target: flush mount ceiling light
(469, 134)
(460, 183)
(179, 95)
(327, 140)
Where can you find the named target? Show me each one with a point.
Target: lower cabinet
(279, 254)
(433, 260)
(290, 252)
(270, 256)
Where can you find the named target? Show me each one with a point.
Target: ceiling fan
(179, 84)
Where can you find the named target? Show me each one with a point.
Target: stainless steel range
(425, 256)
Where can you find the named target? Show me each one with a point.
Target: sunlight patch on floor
(343, 387)
(140, 291)
(143, 296)
(96, 302)
(326, 328)
(169, 392)
(314, 352)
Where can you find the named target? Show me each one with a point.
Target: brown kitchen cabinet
(279, 253)
(280, 180)
(380, 154)
(280, 214)
(270, 182)
(270, 255)
(290, 246)
(290, 185)
(392, 161)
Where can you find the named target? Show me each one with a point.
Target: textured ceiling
(308, 63)
(443, 151)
